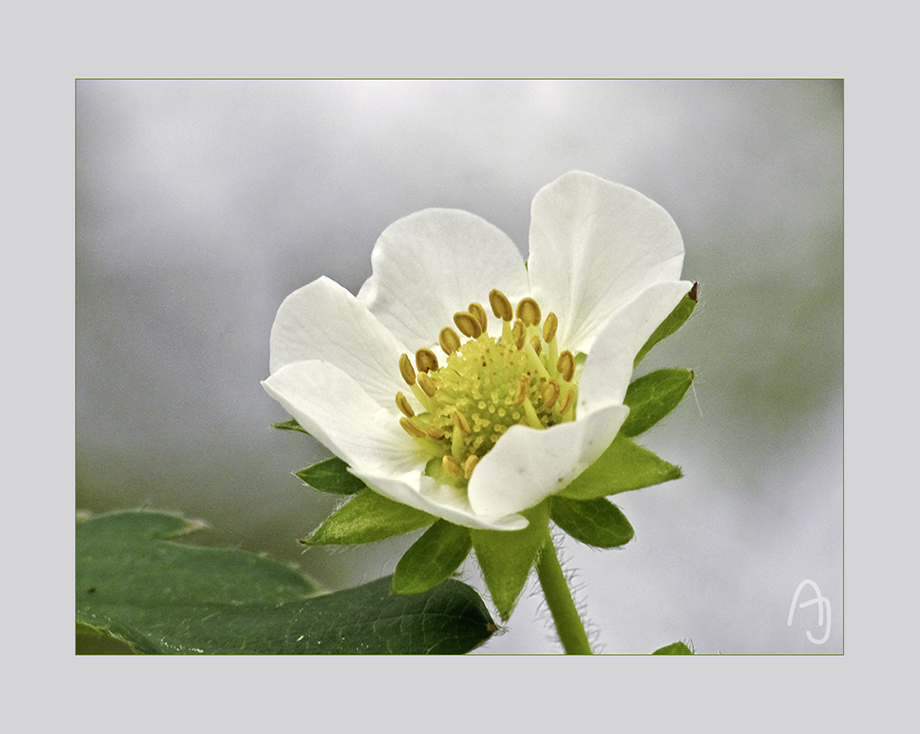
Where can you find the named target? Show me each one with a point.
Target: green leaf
(676, 648)
(596, 522)
(161, 597)
(672, 323)
(624, 466)
(432, 558)
(290, 425)
(332, 476)
(366, 518)
(652, 397)
(506, 557)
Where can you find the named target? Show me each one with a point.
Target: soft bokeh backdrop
(202, 204)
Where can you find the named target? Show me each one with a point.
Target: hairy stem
(569, 627)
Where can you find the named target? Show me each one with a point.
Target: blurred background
(202, 204)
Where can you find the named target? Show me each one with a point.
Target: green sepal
(331, 476)
(624, 466)
(136, 584)
(672, 323)
(432, 558)
(675, 648)
(290, 425)
(652, 397)
(507, 556)
(366, 518)
(596, 522)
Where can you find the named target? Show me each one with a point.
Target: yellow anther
(528, 311)
(461, 422)
(549, 327)
(426, 360)
(523, 390)
(450, 465)
(501, 306)
(468, 324)
(518, 378)
(411, 428)
(517, 334)
(406, 369)
(427, 384)
(449, 340)
(566, 401)
(480, 313)
(566, 366)
(403, 404)
(550, 395)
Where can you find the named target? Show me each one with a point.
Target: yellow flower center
(487, 385)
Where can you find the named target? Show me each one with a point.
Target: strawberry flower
(466, 383)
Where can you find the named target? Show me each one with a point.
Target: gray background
(200, 205)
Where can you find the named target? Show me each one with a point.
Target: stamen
(403, 404)
(426, 360)
(500, 304)
(450, 465)
(434, 432)
(412, 429)
(427, 385)
(517, 334)
(552, 351)
(549, 327)
(533, 357)
(566, 366)
(550, 395)
(480, 313)
(566, 401)
(457, 437)
(528, 311)
(461, 422)
(469, 465)
(533, 420)
(522, 391)
(467, 324)
(449, 340)
(421, 396)
(406, 369)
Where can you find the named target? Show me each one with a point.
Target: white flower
(493, 428)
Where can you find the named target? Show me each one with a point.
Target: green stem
(569, 627)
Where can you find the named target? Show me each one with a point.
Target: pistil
(487, 385)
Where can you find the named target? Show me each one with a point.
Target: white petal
(334, 409)
(449, 503)
(609, 367)
(594, 246)
(324, 321)
(528, 465)
(431, 264)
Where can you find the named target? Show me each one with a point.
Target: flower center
(488, 385)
